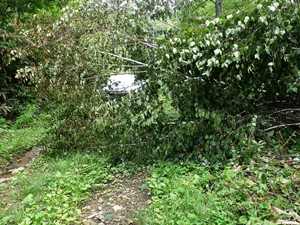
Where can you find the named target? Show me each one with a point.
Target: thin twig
(287, 110)
(282, 126)
(124, 58)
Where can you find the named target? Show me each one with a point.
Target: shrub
(223, 79)
(18, 20)
(202, 89)
(84, 53)
(235, 64)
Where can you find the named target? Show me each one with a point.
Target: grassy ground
(54, 188)
(52, 191)
(267, 191)
(27, 131)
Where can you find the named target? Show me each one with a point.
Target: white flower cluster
(274, 6)
(212, 22)
(68, 13)
(26, 73)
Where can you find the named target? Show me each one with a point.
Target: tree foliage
(237, 63)
(17, 19)
(207, 85)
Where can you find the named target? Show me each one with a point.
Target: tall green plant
(237, 63)
(18, 18)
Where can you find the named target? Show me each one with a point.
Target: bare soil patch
(118, 202)
(19, 163)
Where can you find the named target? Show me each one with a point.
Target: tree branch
(124, 58)
(282, 126)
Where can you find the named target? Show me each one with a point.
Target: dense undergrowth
(213, 88)
(220, 100)
(266, 191)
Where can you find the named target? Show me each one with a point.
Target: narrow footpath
(118, 202)
(19, 164)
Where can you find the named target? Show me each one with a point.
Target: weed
(189, 194)
(51, 193)
(27, 131)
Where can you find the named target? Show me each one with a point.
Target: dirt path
(118, 202)
(19, 164)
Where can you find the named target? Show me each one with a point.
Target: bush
(84, 53)
(223, 79)
(18, 20)
(235, 64)
(226, 77)
(202, 91)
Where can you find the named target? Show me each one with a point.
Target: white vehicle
(122, 84)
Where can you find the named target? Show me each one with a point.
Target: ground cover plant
(266, 191)
(52, 191)
(27, 131)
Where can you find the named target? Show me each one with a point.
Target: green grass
(52, 191)
(191, 194)
(17, 141)
(27, 131)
